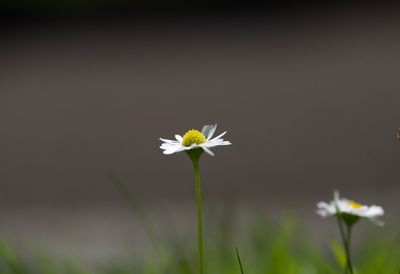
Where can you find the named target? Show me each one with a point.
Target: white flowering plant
(348, 213)
(194, 142)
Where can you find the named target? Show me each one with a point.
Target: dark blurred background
(308, 92)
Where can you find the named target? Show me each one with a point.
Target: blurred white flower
(349, 208)
(193, 139)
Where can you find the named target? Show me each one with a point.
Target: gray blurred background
(310, 102)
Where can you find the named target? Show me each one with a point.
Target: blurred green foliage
(266, 247)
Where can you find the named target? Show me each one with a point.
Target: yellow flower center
(354, 204)
(193, 136)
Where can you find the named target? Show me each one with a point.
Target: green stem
(344, 240)
(199, 213)
(348, 249)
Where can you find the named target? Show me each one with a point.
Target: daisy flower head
(349, 210)
(194, 139)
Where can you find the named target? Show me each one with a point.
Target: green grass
(279, 247)
(265, 247)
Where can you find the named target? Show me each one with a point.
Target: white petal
(322, 212)
(325, 209)
(225, 143)
(169, 151)
(374, 211)
(170, 144)
(377, 222)
(187, 148)
(211, 132)
(182, 148)
(173, 149)
(178, 137)
(190, 147)
(219, 136)
(336, 196)
(208, 151)
(215, 143)
(166, 146)
(207, 129)
(168, 141)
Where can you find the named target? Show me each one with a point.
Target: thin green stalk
(348, 249)
(199, 213)
(344, 240)
(239, 261)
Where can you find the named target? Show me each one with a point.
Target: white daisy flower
(349, 208)
(194, 139)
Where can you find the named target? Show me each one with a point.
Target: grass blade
(239, 261)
